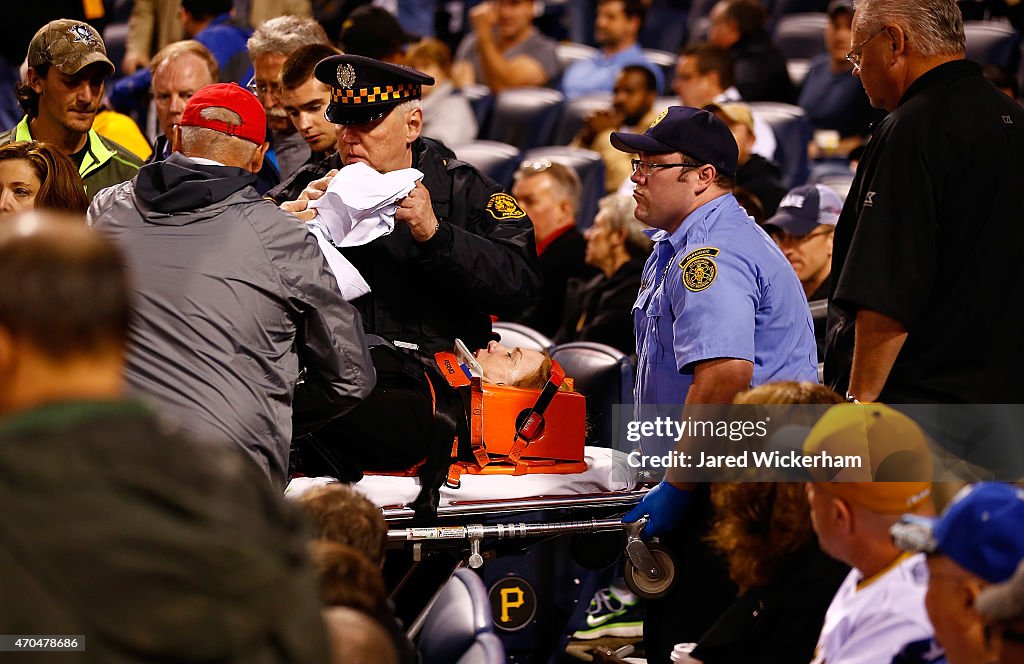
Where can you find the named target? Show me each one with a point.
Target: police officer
(719, 309)
(462, 249)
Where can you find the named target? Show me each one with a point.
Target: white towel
(359, 204)
(350, 281)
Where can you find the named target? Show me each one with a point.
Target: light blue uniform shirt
(598, 74)
(718, 287)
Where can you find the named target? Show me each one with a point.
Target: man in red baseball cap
(230, 291)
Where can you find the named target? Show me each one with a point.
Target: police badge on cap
(364, 89)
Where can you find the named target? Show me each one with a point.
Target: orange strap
(476, 424)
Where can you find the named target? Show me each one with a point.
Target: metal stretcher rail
(490, 508)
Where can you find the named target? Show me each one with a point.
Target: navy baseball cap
(982, 531)
(805, 208)
(692, 131)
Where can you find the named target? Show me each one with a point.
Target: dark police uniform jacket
(481, 261)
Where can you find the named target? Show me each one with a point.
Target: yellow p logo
(508, 603)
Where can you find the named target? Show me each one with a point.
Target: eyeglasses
(855, 53)
(260, 89)
(781, 238)
(646, 168)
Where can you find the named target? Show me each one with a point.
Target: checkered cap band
(376, 94)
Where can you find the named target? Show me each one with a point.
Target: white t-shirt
(869, 620)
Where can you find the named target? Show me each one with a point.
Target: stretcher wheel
(642, 586)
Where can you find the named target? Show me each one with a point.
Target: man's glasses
(855, 53)
(261, 89)
(783, 239)
(646, 168)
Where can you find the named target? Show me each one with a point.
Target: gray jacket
(233, 298)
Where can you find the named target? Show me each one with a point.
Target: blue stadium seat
(458, 627)
(588, 166)
(993, 43)
(576, 112)
(524, 117)
(792, 134)
(800, 36)
(497, 161)
(605, 376)
(570, 52)
(517, 335)
(480, 100)
(666, 62)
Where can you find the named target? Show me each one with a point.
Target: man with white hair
(233, 296)
(270, 45)
(920, 257)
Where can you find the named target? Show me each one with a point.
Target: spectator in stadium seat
(601, 310)
(833, 100)
(761, 74)
(632, 110)
(899, 314)
(270, 45)
(357, 638)
(38, 175)
(704, 75)
(343, 515)
(210, 23)
(756, 174)
(880, 607)
(373, 32)
(505, 50)
(61, 95)
(447, 115)
(550, 194)
(305, 100)
(179, 71)
(154, 512)
(218, 336)
(616, 27)
(978, 541)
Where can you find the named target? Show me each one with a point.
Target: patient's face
(507, 366)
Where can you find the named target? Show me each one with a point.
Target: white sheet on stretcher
(607, 471)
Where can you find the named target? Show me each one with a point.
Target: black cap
(373, 32)
(364, 89)
(692, 131)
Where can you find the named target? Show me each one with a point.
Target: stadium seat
(457, 621)
(800, 36)
(993, 43)
(524, 117)
(588, 166)
(480, 99)
(792, 134)
(516, 335)
(576, 112)
(570, 52)
(497, 161)
(666, 62)
(605, 376)
(837, 182)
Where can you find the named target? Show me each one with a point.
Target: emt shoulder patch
(699, 269)
(503, 206)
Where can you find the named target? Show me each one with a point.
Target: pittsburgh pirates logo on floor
(699, 269)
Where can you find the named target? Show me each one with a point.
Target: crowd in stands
(161, 167)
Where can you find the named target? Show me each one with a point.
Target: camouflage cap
(69, 46)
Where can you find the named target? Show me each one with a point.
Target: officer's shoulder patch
(699, 269)
(503, 206)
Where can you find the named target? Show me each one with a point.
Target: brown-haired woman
(764, 531)
(38, 175)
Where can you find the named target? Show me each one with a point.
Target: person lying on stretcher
(421, 405)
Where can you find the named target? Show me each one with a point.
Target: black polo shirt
(932, 235)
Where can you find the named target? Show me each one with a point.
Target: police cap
(364, 89)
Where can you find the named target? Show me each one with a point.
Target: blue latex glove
(665, 507)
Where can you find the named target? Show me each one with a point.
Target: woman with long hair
(37, 175)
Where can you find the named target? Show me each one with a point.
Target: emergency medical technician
(461, 248)
(719, 309)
